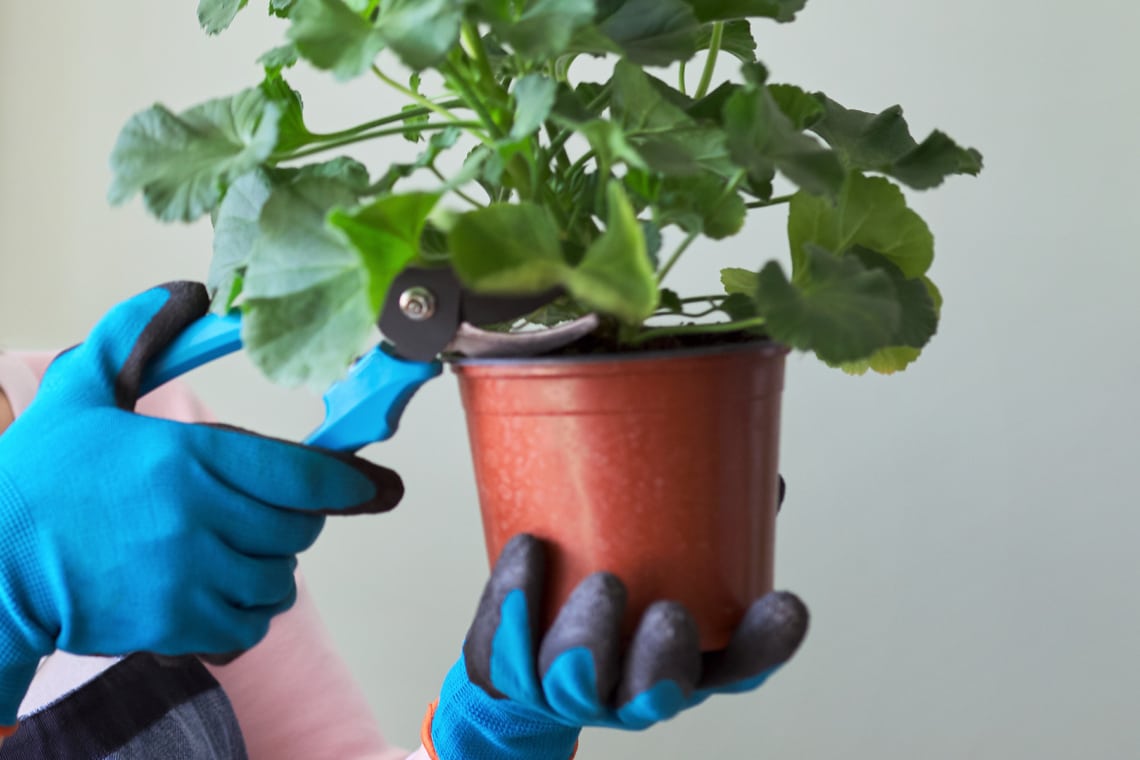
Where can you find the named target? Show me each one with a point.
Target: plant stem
(428, 104)
(729, 189)
(362, 137)
(686, 314)
(402, 116)
(455, 76)
(473, 43)
(719, 327)
(456, 190)
(710, 63)
(770, 202)
(681, 84)
(684, 246)
(579, 165)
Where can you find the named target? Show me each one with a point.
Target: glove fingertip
(782, 618)
(387, 488)
(519, 570)
(770, 634)
(590, 620)
(665, 649)
(186, 302)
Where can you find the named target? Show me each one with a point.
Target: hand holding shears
(427, 312)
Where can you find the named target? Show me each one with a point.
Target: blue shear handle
(211, 337)
(360, 409)
(366, 406)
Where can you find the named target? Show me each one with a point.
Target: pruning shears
(428, 312)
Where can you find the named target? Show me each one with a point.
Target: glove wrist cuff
(467, 724)
(429, 743)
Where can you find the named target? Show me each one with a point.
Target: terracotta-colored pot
(658, 467)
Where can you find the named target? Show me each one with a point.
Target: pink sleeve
(295, 698)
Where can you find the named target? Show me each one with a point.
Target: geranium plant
(566, 180)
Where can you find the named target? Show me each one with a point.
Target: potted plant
(650, 447)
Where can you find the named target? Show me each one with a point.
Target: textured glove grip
(429, 745)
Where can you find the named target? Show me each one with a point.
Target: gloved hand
(511, 697)
(123, 533)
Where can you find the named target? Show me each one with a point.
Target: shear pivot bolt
(417, 304)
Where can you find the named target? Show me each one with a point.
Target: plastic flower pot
(661, 468)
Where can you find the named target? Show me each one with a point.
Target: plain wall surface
(965, 533)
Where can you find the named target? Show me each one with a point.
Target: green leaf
(386, 233)
(836, 307)
(534, 97)
(670, 300)
(182, 163)
(638, 105)
(507, 248)
(871, 212)
(216, 15)
(650, 32)
(538, 29)
(667, 138)
(615, 276)
(883, 143)
(653, 241)
(721, 10)
(699, 205)
(308, 307)
(235, 233)
(295, 250)
(311, 336)
(281, 8)
(687, 152)
(739, 281)
(572, 105)
(608, 141)
(739, 307)
(803, 109)
(885, 361)
(921, 303)
(918, 317)
(344, 171)
(292, 133)
(710, 108)
(761, 136)
(737, 40)
(333, 37)
(278, 59)
(421, 32)
(554, 313)
(414, 82)
(414, 137)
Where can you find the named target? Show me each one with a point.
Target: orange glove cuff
(425, 731)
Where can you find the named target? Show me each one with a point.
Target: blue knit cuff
(471, 725)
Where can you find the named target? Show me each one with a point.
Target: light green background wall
(965, 533)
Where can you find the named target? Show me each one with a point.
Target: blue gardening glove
(511, 696)
(123, 533)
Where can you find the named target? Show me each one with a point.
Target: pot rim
(764, 345)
